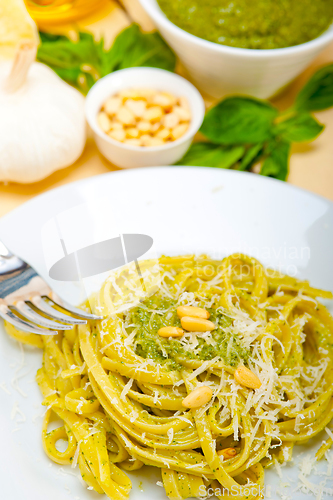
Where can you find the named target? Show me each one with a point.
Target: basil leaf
(239, 120)
(149, 49)
(78, 63)
(132, 48)
(276, 163)
(65, 54)
(250, 156)
(298, 128)
(205, 154)
(50, 37)
(317, 94)
(71, 76)
(83, 62)
(122, 44)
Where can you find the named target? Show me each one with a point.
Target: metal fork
(28, 303)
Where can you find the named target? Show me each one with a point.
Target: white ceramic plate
(185, 210)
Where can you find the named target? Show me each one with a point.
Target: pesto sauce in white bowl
(258, 24)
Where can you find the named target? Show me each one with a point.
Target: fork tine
(41, 304)
(25, 326)
(69, 321)
(30, 314)
(72, 310)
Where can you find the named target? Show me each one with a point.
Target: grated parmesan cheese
(170, 435)
(76, 455)
(17, 411)
(126, 389)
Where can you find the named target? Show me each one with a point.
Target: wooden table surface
(311, 165)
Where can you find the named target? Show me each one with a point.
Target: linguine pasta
(119, 387)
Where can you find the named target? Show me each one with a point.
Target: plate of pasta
(210, 374)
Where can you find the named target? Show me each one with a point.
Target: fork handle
(4, 252)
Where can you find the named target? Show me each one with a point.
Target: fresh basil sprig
(244, 131)
(239, 120)
(317, 93)
(276, 161)
(212, 155)
(83, 62)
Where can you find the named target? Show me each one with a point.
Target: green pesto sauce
(165, 352)
(251, 24)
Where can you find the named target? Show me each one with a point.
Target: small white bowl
(219, 69)
(127, 156)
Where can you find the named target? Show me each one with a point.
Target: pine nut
(117, 126)
(247, 378)
(117, 135)
(112, 105)
(155, 127)
(153, 114)
(144, 126)
(199, 397)
(164, 100)
(163, 134)
(227, 453)
(155, 117)
(179, 131)
(196, 324)
(147, 94)
(125, 116)
(132, 133)
(170, 331)
(136, 107)
(183, 114)
(145, 140)
(171, 120)
(104, 121)
(193, 312)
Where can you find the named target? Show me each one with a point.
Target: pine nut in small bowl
(143, 117)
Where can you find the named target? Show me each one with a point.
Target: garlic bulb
(42, 121)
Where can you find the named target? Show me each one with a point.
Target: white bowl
(127, 156)
(218, 69)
